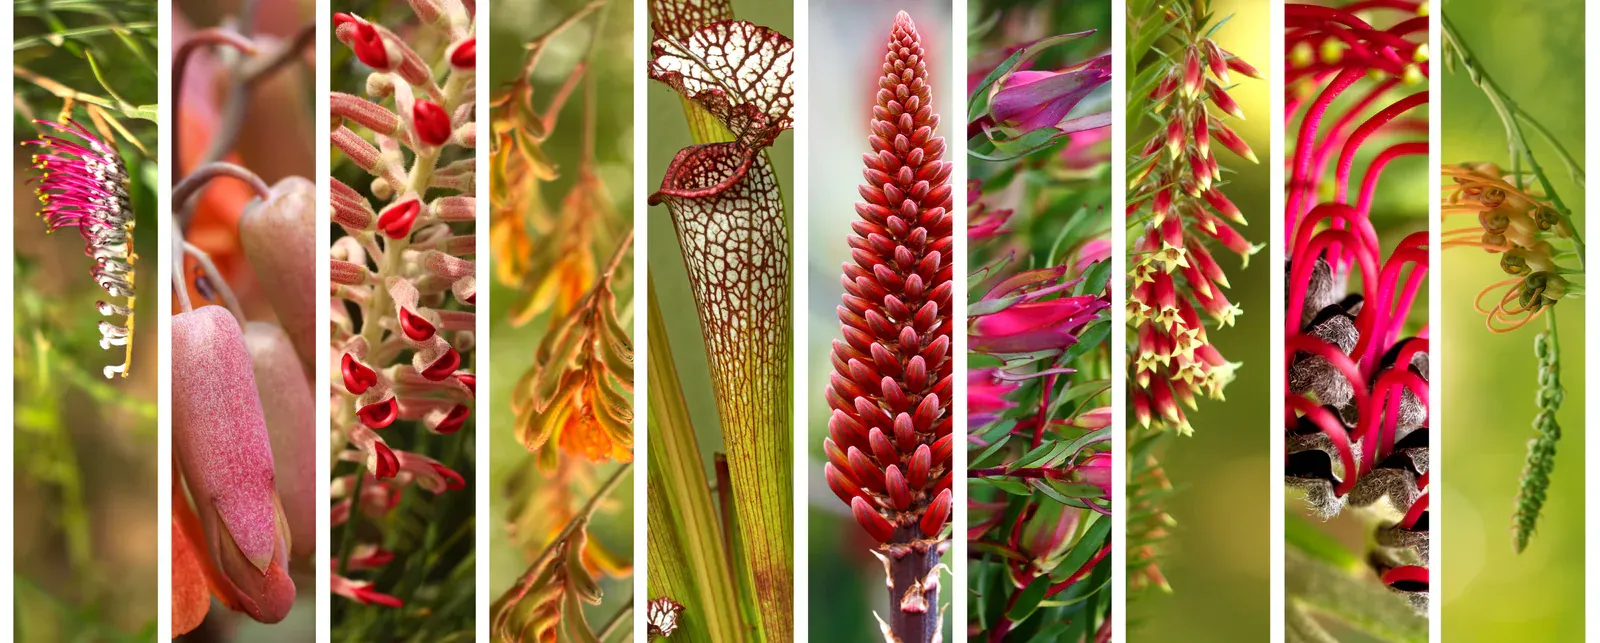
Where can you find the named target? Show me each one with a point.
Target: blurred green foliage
(1536, 53)
(86, 504)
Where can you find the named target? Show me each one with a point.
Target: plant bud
(290, 412)
(279, 236)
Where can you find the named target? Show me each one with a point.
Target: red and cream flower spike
(889, 444)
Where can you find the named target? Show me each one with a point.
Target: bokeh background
(1216, 559)
(1534, 51)
(845, 54)
(84, 520)
(514, 24)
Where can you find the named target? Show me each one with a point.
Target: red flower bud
(365, 41)
(379, 414)
(842, 485)
(357, 377)
(415, 326)
(454, 420)
(443, 367)
(465, 54)
(432, 122)
(921, 462)
(397, 219)
(899, 492)
(869, 519)
(937, 514)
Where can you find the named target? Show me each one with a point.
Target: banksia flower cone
(889, 446)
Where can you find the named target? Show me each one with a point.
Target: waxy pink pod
(220, 439)
(291, 416)
(280, 239)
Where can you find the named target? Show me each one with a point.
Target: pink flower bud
(279, 235)
(221, 442)
(431, 121)
(291, 415)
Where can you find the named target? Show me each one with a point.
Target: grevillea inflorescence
(889, 444)
(83, 184)
(403, 286)
(1357, 421)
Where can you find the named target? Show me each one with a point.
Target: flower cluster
(889, 444)
(83, 184)
(1177, 209)
(1516, 223)
(1356, 429)
(403, 286)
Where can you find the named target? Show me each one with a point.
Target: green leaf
(977, 462)
(1029, 599)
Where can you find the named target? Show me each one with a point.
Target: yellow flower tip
(1184, 430)
(1302, 55)
(1421, 54)
(1412, 75)
(1331, 51)
(1423, 9)
(1375, 74)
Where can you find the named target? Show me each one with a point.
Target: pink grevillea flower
(1357, 387)
(986, 396)
(889, 443)
(83, 184)
(1029, 100)
(404, 286)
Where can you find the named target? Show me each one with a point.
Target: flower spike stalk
(83, 184)
(1357, 385)
(889, 444)
(404, 289)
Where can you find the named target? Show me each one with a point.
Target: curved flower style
(889, 444)
(1517, 224)
(1357, 387)
(402, 286)
(83, 184)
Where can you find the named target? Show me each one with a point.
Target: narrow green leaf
(1029, 599)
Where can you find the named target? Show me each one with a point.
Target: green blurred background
(1216, 558)
(846, 51)
(1535, 52)
(515, 23)
(669, 132)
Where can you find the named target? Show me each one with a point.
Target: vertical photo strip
(243, 322)
(403, 292)
(1198, 513)
(561, 317)
(1357, 326)
(1039, 315)
(1514, 221)
(84, 422)
(879, 491)
(720, 320)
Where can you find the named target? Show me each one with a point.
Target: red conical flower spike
(895, 320)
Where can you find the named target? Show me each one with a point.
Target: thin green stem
(1512, 116)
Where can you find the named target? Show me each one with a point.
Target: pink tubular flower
(1357, 386)
(1030, 100)
(361, 591)
(986, 396)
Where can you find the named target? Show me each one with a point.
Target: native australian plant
(84, 417)
(562, 309)
(243, 265)
(1522, 219)
(1179, 216)
(723, 568)
(1039, 321)
(402, 329)
(1356, 345)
